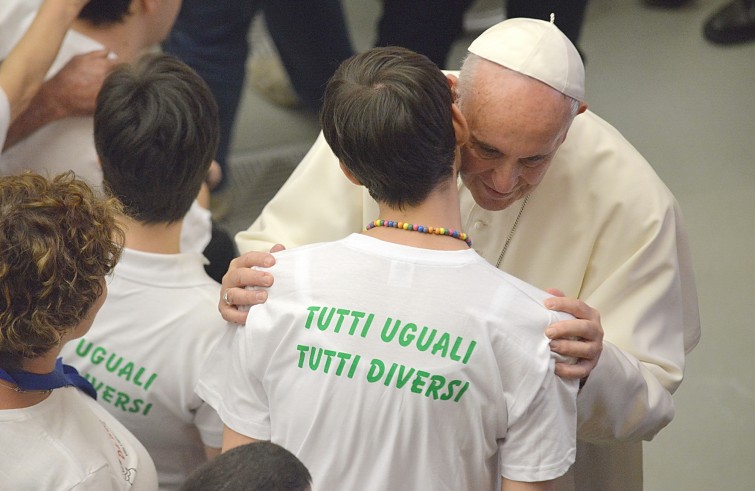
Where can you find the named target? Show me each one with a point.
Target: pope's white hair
(467, 76)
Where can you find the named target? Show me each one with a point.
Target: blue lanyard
(62, 376)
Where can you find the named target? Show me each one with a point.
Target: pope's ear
(461, 129)
(351, 177)
(453, 84)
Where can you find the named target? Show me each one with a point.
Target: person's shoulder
(589, 127)
(287, 259)
(605, 166)
(513, 291)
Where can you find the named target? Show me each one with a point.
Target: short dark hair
(104, 12)
(58, 240)
(387, 116)
(259, 466)
(156, 131)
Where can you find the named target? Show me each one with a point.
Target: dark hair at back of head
(156, 132)
(387, 116)
(259, 466)
(103, 12)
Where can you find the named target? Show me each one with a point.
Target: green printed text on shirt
(141, 378)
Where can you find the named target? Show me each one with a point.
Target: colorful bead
(420, 228)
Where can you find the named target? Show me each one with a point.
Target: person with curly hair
(58, 242)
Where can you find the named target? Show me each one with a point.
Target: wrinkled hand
(74, 88)
(581, 338)
(239, 275)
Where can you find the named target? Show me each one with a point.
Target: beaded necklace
(420, 228)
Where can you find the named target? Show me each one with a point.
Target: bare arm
(508, 485)
(71, 92)
(231, 439)
(24, 69)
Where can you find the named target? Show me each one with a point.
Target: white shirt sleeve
(230, 384)
(210, 426)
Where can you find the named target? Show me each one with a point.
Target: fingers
(233, 293)
(232, 314)
(252, 259)
(575, 328)
(573, 306)
(580, 338)
(235, 302)
(576, 371)
(239, 274)
(555, 292)
(577, 348)
(240, 277)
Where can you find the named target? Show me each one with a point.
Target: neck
(126, 39)
(158, 238)
(11, 399)
(439, 209)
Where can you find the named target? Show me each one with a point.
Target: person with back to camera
(59, 243)
(558, 200)
(156, 131)
(403, 332)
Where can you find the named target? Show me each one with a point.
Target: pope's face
(516, 125)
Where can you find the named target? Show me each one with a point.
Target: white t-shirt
(144, 352)
(69, 442)
(383, 366)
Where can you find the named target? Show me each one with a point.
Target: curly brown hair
(58, 240)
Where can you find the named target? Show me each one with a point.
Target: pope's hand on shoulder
(233, 293)
(580, 338)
